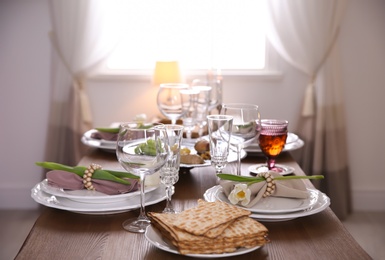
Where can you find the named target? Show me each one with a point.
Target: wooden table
(59, 234)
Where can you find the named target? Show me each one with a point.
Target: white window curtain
(305, 33)
(78, 27)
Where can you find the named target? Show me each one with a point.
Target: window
(200, 34)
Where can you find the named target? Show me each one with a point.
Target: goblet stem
(173, 121)
(188, 134)
(142, 214)
(200, 132)
(169, 208)
(270, 163)
(239, 161)
(141, 223)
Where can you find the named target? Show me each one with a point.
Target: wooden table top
(60, 234)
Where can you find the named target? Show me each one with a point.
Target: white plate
(273, 205)
(320, 204)
(97, 143)
(263, 168)
(88, 196)
(231, 158)
(293, 142)
(155, 238)
(131, 203)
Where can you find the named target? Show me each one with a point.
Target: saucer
(261, 167)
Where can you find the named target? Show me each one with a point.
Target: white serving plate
(231, 158)
(273, 205)
(98, 143)
(131, 203)
(155, 238)
(88, 196)
(320, 201)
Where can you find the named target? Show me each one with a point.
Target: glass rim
(189, 91)
(240, 105)
(202, 88)
(173, 127)
(275, 122)
(136, 124)
(220, 117)
(174, 85)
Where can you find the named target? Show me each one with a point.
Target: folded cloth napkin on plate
(294, 188)
(72, 181)
(104, 136)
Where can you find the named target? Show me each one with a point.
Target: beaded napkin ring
(87, 177)
(270, 183)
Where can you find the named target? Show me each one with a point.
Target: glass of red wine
(272, 140)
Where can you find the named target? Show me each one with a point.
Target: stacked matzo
(210, 228)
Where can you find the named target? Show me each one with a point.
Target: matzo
(208, 215)
(239, 232)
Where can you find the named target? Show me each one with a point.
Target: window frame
(271, 71)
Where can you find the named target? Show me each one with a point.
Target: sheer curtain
(305, 33)
(78, 27)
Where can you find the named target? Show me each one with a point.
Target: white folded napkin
(294, 188)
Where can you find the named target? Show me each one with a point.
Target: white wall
(24, 95)
(25, 68)
(363, 56)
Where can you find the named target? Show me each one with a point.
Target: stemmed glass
(169, 174)
(169, 100)
(272, 140)
(189, 99)
(246, 126)
(215, 80)
(141, 150)
(202, 104)
(219, 135)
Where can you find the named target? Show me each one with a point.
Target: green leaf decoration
(113, 130)
(250, 180)
(100, 174)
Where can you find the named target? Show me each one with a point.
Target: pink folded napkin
(72, 181)
(104, 136)
(294, 188)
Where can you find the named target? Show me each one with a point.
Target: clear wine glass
(169, 174)
(215, 80)
(189, 99)
(141, 150)
(272, 140)
(219, 127)
(202, 104)
(169, 100)
(246, 126)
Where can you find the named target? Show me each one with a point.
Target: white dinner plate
(293, 142)
(131, 203)
(98, 143)
(155, 238)
(231, 158)
(261, 167)
(273, 205)
(88, 196)
(319, 205)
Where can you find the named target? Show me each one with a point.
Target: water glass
(169, 100)
(141, 150)
(215, 81)
(169, 174)
(202, 106)
(189, 100)
(219, 127)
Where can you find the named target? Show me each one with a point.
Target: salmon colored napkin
(70, 181)
(294, 188)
